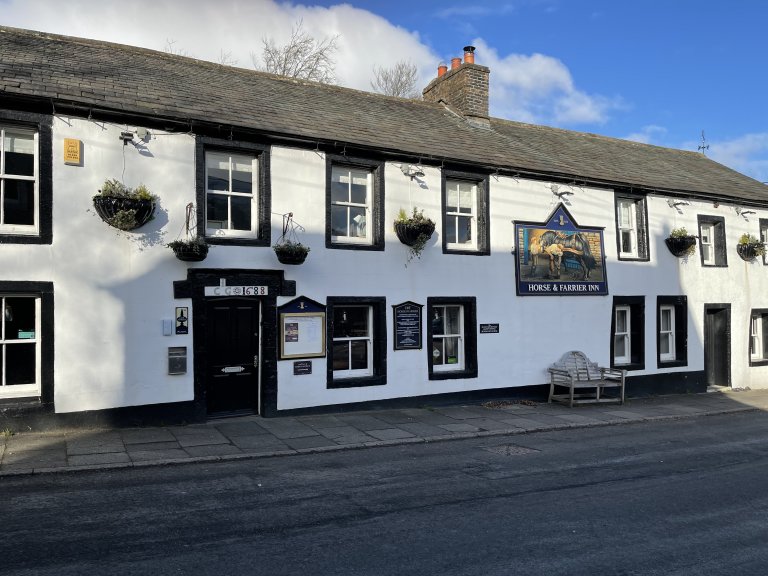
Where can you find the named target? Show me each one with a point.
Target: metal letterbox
(177, 360)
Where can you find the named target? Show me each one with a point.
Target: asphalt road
(681, 497)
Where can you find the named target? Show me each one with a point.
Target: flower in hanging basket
(192, 250)
(122, 207)
(680, 243)
(749, 247)
(289, 252)
(414, 231)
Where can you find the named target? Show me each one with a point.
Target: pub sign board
(301, 329)
(559, 258)
(407, 325)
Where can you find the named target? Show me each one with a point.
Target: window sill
(763, 362)
(628, 367)
(357, 382)
(628, 258)
(353, 246)
(453, 374)
(236, 241)
(673, 363)
(24, 239)
(466, 252)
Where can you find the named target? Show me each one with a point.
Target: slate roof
(136, 81)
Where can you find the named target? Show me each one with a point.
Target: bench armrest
(613, 373)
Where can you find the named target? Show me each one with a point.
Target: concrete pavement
(30, 452)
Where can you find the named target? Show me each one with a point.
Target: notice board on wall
(301, 329)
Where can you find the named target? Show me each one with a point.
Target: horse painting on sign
(558, 257)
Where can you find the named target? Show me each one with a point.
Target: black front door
(232, 355)
(717, 345)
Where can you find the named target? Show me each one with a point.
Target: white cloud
(540, 89)
(647, 134)
(747, 154)
(532, 88)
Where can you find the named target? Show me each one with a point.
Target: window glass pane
(706, 234)
(341, 355)
(359, 191)
(626, 241)
(339, 221)
(450, 230)
(465, 229)
(340, 185)
(465, 198)
(19, 202)
(452, 198)
(242, 177)
(438, 324)
(350, 322)
(664, 343)
(20, 364)
(452, 316)
(437, 351)
(359, 354)
(619, 346)
(19, 154)
(451, 350)
(357, 222)
(19, 318)
(625, 214)
(621, 321)
(216, 210)
(241, 212)
(666, 319)
(218, 171)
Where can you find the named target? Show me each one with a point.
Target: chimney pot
(455, 63)
(469, 54)
(442, 68)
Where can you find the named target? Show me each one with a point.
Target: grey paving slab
(78, 448)
(213, 450)
(363, 422)
(390, 434)
(201, 438)
(486, 423)
(339, 431)
(231, 429)
(265, 441)
(423, 430)
(581, 419)
(463, 412)
(24, 441)
(395, 417)
(434, 418)
(626, 414)
(35, 458)
(92, 459)
(154, 446)
(358, 438)
(145, 455)
(146, 435)
(309, 442)
(288, 428)
(460, 427)
(524, 423)
(321, 421)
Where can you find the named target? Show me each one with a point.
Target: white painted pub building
(545, 241)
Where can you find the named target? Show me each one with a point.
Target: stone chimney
(464, 88)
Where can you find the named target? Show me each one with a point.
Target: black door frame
(725, 307)
(194, 288)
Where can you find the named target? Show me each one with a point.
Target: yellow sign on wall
(72, 150)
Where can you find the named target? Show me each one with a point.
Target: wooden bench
(585, 380)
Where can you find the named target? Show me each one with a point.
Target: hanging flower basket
(122, 207)
(409, 231)
(288, 248)
(749, 247)
(681, 245)
(195, 250)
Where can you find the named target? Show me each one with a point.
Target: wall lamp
(412, 171)
(560, 194)
(741, 212)
(126, 137)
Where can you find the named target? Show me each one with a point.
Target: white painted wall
(112, 289)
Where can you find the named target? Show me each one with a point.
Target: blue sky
(654, 71)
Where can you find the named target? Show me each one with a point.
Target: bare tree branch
(226, 59)
(399, 80)
(170, 48)
(302, 57)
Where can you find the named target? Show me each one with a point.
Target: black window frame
(262, 152)
(378, 305)
(636, 306)
(482, 181)
(641, 215)
(43, 124)
(763, 225)
(718, 234)
(763, 313)
(43, 290)
(469, 304)
(376, 168)
(680, 306)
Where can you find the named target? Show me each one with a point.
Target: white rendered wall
(112, 289)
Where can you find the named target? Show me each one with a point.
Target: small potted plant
(414, 231)
(190, 250)
(680, 243)
(122, 207)
(749, 247)
(288, 248)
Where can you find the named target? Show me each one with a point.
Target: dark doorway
(232, 355)
(717, 344)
